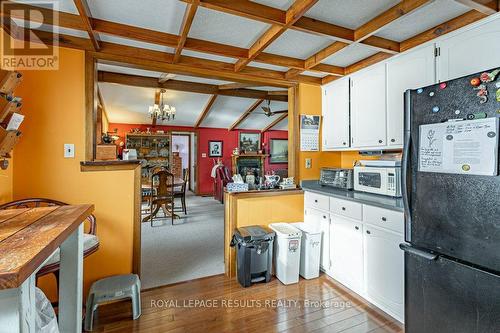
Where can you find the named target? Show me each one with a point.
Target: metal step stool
(113, 288)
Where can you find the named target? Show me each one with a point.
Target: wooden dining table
(148, 186)
(28, 237)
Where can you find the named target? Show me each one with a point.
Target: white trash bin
(310, 250)
(287, 252)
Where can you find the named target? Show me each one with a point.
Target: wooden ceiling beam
(206, 111)
(275, 16)
(236, 85)
(296, 10)
(317, 58)
(278, 93)
(245, 114)
(392, 14)
(378, 57)
(187, 21)
(194, 87)
(83, 9)
(275, 122)
(487, 7)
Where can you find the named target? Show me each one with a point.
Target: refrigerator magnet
(420, 90)
(435, 109)
(442, 85)
(431, 93)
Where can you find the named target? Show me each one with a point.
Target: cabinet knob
(393, 140)
(316, 200)
(324, 216)
(343, 208)
(344, 143)
(380, 141)
(368, 232)
(384, 219)
(356, 227)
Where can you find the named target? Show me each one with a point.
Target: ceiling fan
(268, 112)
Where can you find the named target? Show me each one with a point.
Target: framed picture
(214, 148)
(279, 151)
(249, 142)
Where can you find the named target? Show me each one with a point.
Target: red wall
(205, 164)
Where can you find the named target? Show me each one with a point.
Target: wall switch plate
(203, 154)
(308, 163)
(69, 150)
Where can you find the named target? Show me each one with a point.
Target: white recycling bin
(310, 250)
(287, 252)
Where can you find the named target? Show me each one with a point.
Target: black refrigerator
(451, 194)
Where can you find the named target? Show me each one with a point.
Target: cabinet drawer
(384, 218)
(316, 201)
(346, 208)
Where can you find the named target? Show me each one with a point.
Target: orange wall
(6, 183)
(309, 100)
(54, 105)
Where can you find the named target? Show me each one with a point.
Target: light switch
(69, 150)
(203, 154)
(308, 163)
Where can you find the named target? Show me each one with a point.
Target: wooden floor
(173, 309)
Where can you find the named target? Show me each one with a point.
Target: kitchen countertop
(361, 197)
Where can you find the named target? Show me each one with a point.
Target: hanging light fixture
(162, 111)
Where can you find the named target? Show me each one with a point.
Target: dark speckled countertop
(361, 197)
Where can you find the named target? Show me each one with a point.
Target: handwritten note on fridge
(461, 147)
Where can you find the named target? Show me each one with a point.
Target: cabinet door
(346, 252)
(336, 115)
(384, 270)
(321, 220)
(410, 71)
(368, 107)
(472, 51)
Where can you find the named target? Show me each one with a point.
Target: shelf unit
(9, 81)
(155, 150)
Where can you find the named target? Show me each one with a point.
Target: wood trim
(137, 248)
(295, 12)
(378, 57)
(187, 21)
(316, 59)
(442, 29)
(293, 133)
(90, 106)
(392, 14)
(245, 114)
(200, 88)
(274, 123)
(91, 166)
(84, 11)
(487, 8)
(236, 85)
(206, 111)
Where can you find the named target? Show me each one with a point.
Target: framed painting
(279, 151)
(249, 142)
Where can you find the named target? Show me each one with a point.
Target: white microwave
(378, 180)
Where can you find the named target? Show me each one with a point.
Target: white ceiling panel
(423, 19)
(282, 125)
(135, 43)
(208, 56)
(268, 66)
(258, 120)
(280, 4)
(350, 14)
(199, 79)
(226, 111)
(126, 104)
(49, 28)
(269, 88)
(67, 6)
(315, 74)
(298, 44)
(226, 28)
(349, 55)
(159, 15)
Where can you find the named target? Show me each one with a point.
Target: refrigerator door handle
(405, 164)
(418, 252)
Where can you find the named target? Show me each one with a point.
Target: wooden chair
(91, 242)
(163, 196)
(180, 192)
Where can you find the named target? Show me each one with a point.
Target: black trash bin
(254, 254)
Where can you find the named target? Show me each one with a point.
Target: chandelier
(162, 111)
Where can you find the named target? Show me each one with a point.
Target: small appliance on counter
(378, 176)
(336, 177)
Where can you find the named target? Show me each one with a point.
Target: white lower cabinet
(346, 252)
(384, 270)
(321, 220)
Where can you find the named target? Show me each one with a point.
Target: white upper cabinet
(472, 51)
(336, 115)
(368, 107)
(409, 71)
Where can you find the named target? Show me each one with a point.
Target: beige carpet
(192, 248)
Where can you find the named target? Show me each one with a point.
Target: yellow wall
(53, 102)
(309, 100)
